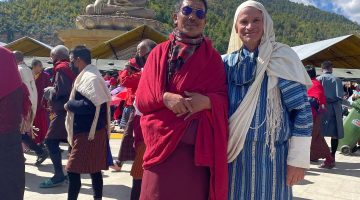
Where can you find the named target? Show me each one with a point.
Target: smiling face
(190, 25)
(250, 27)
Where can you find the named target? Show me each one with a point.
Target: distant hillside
(294, 24)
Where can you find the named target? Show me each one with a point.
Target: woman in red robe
(183, 97)
(317, 99)
(41, 121)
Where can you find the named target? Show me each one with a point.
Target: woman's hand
(294, 175)
(177, 103)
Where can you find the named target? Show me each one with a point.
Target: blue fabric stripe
(297, 121)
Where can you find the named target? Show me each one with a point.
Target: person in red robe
(15, 106)
(183, 97)
(107, 77)
(41, 121)
(317, 99)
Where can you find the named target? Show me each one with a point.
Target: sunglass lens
(200, 14)
(186, 10)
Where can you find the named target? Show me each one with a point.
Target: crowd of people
(197, 125)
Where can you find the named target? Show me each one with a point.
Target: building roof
(124, 41)
(343, 51)
(30, 47)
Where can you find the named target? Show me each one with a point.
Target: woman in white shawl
(270, 117)
(87, 124)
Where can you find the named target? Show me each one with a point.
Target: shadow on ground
(341, 168)
(32, 182)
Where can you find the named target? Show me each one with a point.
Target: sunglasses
(187, 10)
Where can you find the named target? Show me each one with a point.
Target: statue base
(91, 38)
(113, 22)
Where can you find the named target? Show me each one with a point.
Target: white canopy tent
(343, 52)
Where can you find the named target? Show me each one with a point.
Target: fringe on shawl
(274, 118)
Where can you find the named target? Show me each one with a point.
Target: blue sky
(348, 8)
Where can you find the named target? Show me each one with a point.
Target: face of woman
(250, 27)
(190, 25)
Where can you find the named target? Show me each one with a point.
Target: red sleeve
(149, 94)
(129, 81)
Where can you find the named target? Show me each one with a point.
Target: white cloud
(348, 8)
(305, 2)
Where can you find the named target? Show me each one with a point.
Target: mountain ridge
(294, 23)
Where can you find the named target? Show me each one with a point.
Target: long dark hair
(311, 71)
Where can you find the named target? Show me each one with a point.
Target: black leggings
(75, 185)
(136, 189)
(334, 146)
(25, 138)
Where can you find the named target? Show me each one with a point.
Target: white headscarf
(278, 61)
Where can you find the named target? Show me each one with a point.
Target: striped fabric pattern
(253, 175)
(137, 169)
(88, 157)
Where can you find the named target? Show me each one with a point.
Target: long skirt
(127, 151)
(332, 122)
(319, 147)
(137, 167)
(254, 175)
(177, 178)
(12, 167)
(41, 122)
(87, 156)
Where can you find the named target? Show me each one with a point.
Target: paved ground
(340, 183)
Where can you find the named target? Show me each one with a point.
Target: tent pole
(113, 50)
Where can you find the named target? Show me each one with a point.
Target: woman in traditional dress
(317, 99)
(270, 116)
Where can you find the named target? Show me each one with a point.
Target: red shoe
(328, 164)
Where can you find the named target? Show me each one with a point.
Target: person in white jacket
(27, 78)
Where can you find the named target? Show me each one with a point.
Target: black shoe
(42, 145)
(41, 158)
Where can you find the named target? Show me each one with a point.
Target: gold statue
(132, 8)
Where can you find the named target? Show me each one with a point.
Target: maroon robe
(14, 105)
(41, 120)
(203, 73)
